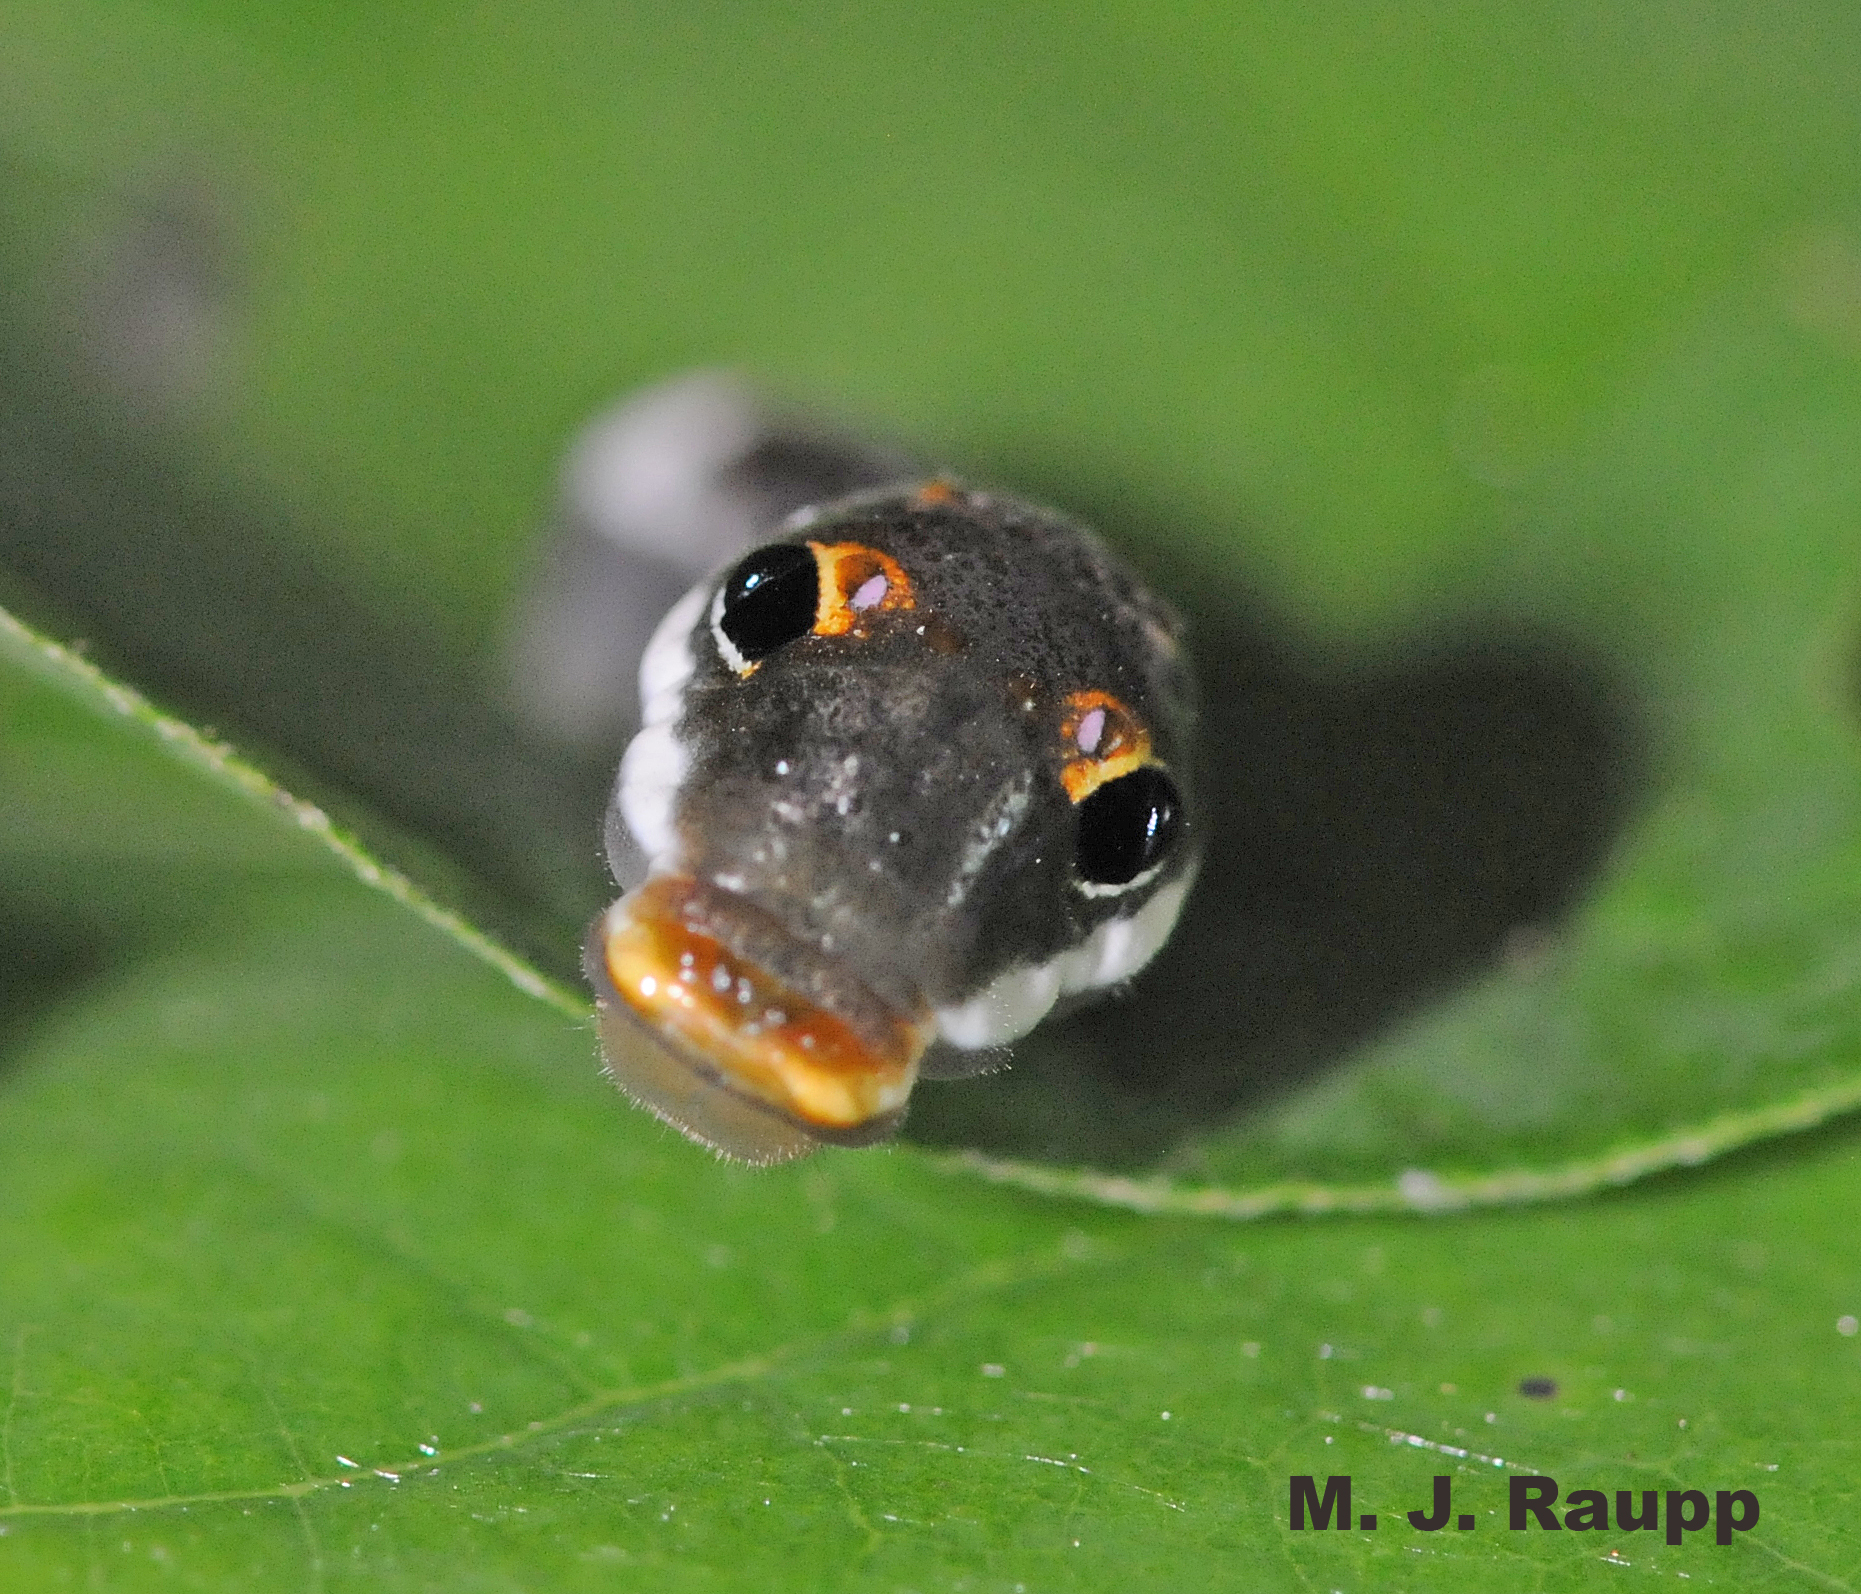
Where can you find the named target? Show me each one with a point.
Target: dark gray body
(1374, 827)
(894, 797)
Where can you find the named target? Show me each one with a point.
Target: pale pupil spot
(1091, 729)
(871, 593)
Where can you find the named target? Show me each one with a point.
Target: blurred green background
(1337, 288)
(1397, 323)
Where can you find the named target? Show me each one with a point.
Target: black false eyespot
(1126, 826)
(770, 599)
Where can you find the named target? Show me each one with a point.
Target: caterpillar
(907, 773)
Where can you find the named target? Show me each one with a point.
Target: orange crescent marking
(845, 567)
(1123, 744)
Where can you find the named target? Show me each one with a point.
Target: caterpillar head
(911, 774)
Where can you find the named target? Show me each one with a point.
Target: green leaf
(326, 1261)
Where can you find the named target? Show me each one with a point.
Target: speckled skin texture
(856, 786)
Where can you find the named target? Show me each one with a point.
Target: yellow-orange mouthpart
(756, 1034)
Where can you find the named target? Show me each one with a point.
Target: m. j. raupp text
(1536, 1503)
